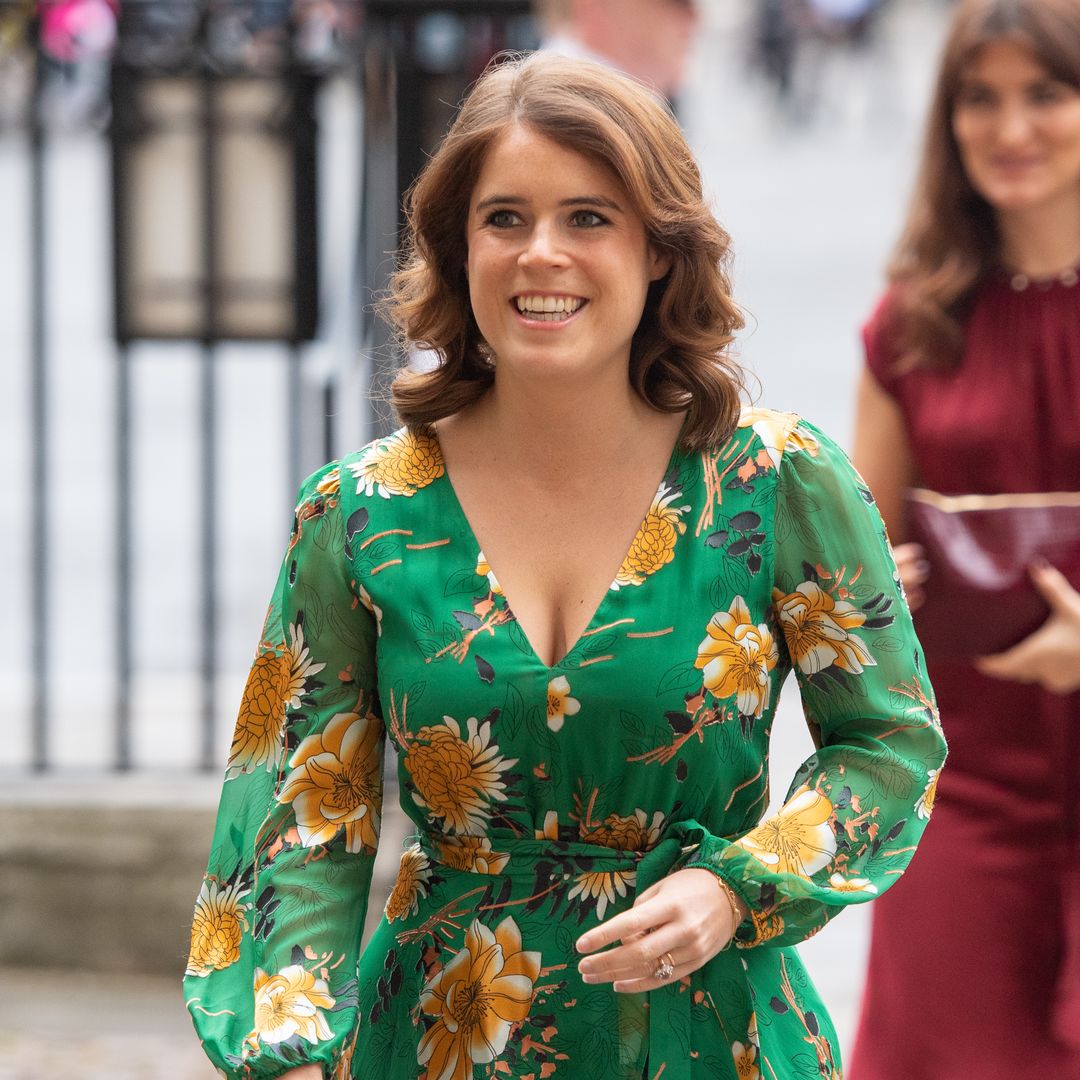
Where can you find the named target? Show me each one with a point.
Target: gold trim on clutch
(957, 503)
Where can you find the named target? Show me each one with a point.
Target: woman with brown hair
(568, 591)
(972, 389)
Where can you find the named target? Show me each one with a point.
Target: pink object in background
(74, 30)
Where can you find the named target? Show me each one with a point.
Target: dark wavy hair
(679, 357)
(950, 243)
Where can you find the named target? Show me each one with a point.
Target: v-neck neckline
(459, 507)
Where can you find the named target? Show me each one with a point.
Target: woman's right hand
(304, 1072)
(914, 570)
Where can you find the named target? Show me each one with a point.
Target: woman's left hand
(685, 916)
(1051, 655)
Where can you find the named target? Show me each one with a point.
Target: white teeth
(564, 306)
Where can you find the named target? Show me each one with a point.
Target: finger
(909, 551)
(634, 958)
(651, 982)
(630, 964)
(1015, 664)
(639, 919)
(1054, 588)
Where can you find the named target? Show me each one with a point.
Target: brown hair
(679, 355)
(950, 242)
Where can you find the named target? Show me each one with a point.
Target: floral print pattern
(816, 626)
(335, 783)
(799, 840)
(217, 928)
(482, 991)
(560, 704)
(653, 545)
(414, 873)
(290, 1004)
(736, 658)
(457, 778)
(403, 464)
(277, 679)
(546, 798)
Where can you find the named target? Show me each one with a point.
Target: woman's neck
(1042, 242)
(549, 431)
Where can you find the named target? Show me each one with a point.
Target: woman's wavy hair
(950, 242)
(679, 357)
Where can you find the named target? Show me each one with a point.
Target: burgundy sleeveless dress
(974, 970)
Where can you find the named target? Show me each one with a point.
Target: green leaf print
(462, 583)
(313, 608)
(423, 622)
(890, 774)
(513, 712)
(683, 676)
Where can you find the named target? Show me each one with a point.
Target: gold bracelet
(733, 900)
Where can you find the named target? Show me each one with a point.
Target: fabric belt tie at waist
(668, 1006)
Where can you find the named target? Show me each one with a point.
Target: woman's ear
(659, 263)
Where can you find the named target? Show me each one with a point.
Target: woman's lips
(538, 308)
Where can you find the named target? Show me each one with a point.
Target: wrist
(738, 907)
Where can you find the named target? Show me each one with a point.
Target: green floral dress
(545, 798)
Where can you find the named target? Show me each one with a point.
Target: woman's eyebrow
(577, 200)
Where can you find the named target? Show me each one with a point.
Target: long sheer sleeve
(857, 807)
(271, 981)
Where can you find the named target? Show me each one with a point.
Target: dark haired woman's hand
(1050, 656)
(914, 570)
(685, 918)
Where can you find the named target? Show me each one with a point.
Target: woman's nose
(1014, 123)
(543, 247)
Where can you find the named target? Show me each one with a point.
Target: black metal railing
(173, 72)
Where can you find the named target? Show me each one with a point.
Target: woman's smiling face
(1017, 129)
(558, 261)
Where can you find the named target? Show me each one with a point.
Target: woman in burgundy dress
(973, 386)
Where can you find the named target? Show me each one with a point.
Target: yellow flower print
(924, 807)
(414, 872)
(457, 778)
(560, 704)
(766, 927)
(839, 883)
(335, 783)
(634, 833)
(370, 605)
(288, 1004)
(276, 682)
(481, 993)
(799, 839)
(779, 433)
(654, 543)
(483, 569)
(550, 830)
(400, 465)
(330, 484)
(816, 629)
(217, 928)
(473, 853)
(602, 886)
(746, 1059)
(736, 657)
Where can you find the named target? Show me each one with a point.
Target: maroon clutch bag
(979, 597)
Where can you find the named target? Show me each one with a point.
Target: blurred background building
(197, 199)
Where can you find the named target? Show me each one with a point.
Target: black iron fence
(215, 137)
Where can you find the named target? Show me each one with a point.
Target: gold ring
(665, 967)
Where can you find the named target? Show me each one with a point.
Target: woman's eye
(502, 219)
(974, 96)
(588, 219)
(1046, 93)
